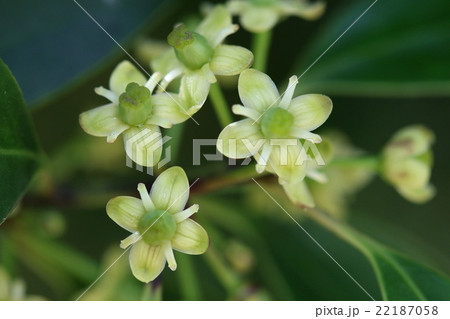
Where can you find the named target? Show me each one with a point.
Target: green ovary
(134, 104)
(191, 48)
(157, 226)
(276, 123)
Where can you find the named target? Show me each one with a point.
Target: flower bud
(191, 48)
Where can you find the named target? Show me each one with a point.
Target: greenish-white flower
(406, 163)
(137, 113)
(274, 125)
(199, 55)
(159, 223)
(262, 15)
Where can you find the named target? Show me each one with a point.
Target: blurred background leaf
(48, 50)
(19, 148)
(398, 48)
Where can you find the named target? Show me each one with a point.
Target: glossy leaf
(19, 149)
(53, 43)
(403, 54)
(401, 278)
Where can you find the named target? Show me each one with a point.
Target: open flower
(262, 15)
(407, 161)
(199, 54)
(158, 223)
(274, 126)
(138, 114)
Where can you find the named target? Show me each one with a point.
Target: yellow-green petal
(170, 191)
(299, 194)
(190, 238)
(418, 195)
(231, 60)
(143, 144)
(240, 139)
(216, 26)
(410, 141)
(103, 121)
(123, 74)
(259, 19)
(310, 110)
(126, 211)
(257, 90)
(287, 160)
(146, 261)
(194, 87)
(172, 107)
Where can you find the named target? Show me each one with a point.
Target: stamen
(224, 33)
(172, 75)
(110, 95)
(168, 253)
(299, 133)
(146, 200)
(287, 96)
(264, 158)
(245, 111)
(317, 176)
(130, 240)
(153, 81)
(185, 214)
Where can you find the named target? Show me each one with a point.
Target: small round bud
(191, 48)
(276, 123)
(134, 104)
(157, 226)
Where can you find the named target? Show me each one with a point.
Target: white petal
(299, 194)
(418, 195)
(240, 139)
(231, 60)
(126, 211)
(190, 238)
(170, 191)
(216, 26)
(194, 87)
(123, 74)
(259, 19)
(310, 110)
(146, 261)
(143, 144)
(172, 108)
(285, 161)
(103, 121)
(257, 90)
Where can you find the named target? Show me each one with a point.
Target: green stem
(187, 276)
(368, 162)
(260, 45)
(220, 105)
(237, 176)
(176, 134)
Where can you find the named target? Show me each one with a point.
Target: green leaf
(64, 47)
(403, 54)
(401, 278)
(19, 149)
